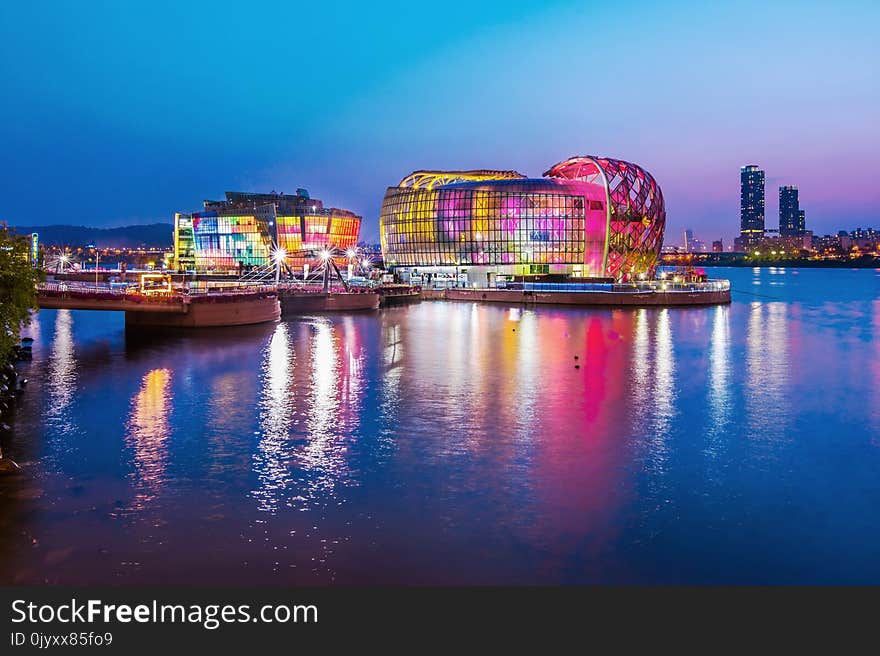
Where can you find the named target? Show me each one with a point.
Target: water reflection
(767, 364)
(272, 458)
(875, 366)
(653, 392)
(486, 452)
(324, 453)
(389, 393)
(719, 371)
(664, 408)
(641, 363)
(62, 380)
(227, 412)
(351, 376)
(147, 436)
(527, 374)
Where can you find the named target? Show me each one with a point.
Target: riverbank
(741, 260)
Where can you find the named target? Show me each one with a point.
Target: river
(453, 443)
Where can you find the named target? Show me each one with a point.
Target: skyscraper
(751, 206)
(789, 212)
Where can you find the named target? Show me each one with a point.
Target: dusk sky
(124, 112)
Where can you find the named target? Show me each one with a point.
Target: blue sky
(125, 112)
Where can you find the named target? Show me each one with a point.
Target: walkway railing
(639, 287)
(131, 291)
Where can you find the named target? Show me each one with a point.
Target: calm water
(459, 443)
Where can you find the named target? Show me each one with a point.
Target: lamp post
(325, 259)
(279, 256)
(352, 258)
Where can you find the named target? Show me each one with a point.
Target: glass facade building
(243, 231)
(587, 217)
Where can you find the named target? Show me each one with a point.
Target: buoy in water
(8, 466)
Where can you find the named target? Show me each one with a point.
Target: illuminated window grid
(466, 226)
(289, 230)
(316, 230)
(344, 230)
(227, 241)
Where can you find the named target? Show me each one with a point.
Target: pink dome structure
(636, 212)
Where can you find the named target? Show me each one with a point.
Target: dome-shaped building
(588, 217)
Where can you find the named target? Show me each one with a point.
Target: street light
(279, 255)
(325, 255)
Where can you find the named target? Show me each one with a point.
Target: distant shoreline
(861, 263)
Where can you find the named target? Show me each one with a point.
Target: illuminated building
(589, 217)
(692, 244)
(244, 229)
(751, 208)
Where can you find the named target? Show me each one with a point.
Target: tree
(17, 288)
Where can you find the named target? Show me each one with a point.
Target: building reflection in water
(310, 404)
(324, 455)
(875, 366)
(641, 363)
(272, 457)
(392, 372)
(351, 374)
(665, 373)
(62, 379)
(767, 363)
(719, 372)
(147, 436)
(528, 356)
(653, 405)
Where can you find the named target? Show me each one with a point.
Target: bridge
(172, 308)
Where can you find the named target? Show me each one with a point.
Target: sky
(125, 112)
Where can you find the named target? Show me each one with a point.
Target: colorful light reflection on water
(461, 443)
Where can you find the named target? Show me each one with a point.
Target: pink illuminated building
(588, 217)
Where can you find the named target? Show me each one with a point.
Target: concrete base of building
(293, 303)
(211, 313)
(612, 299)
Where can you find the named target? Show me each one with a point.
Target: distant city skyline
(142, 111)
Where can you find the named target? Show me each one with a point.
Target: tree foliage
(17, 288)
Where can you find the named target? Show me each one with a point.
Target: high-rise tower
(789, 212)
(751, 208)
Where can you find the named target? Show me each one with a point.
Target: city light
(279, 255)
(581, 213)
(325, 255)
(352, 253)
